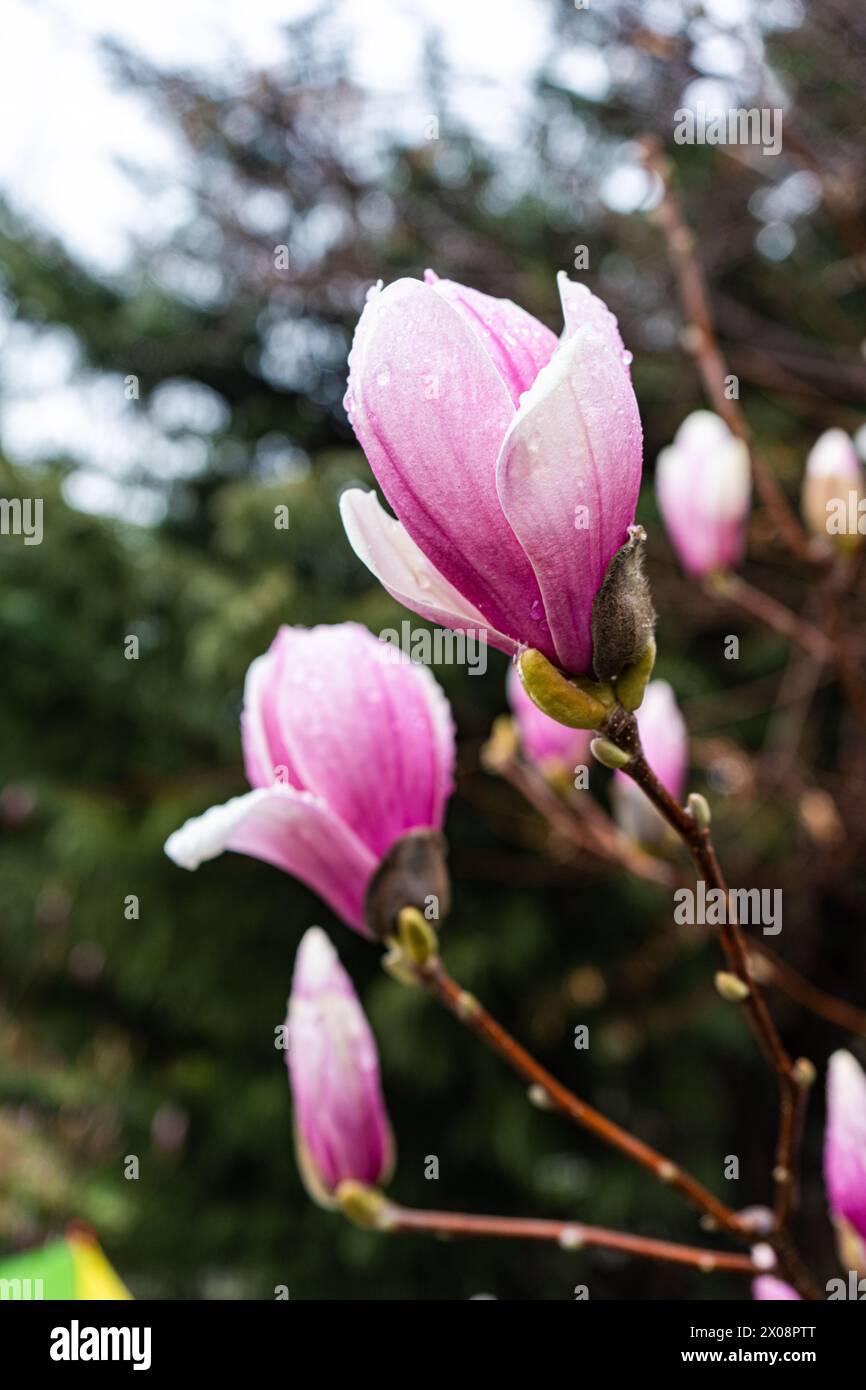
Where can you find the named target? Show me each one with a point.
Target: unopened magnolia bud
(832, 490)
(632, 683)
(576, 702)
(623, 616)
(699, 809)
(804, 1072)
(731, 987)
(416, 937)
(413, 872)
(608, 754)
(362, 1205)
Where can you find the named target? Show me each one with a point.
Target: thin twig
(621, 729)
(771, 969)
(571, 1235)
(773, 613)
(466, 1008)
(703, 344)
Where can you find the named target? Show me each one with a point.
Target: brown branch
(774, 614)
(703, 344)
(466, 1008)
(771, 969)
(621, 729)
(571, 1235)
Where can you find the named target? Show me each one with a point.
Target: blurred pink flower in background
(845, 1155)
(341, 1124)
(666, 744)
(511, 459)
(703, 488)
(348, 746)
(844, 1171)
(832, 472)
(551, 746)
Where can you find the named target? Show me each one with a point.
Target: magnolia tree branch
(793, 1078)
(768, 968)
(775, 615)
(467, 1009)
(570, 1235)
(703, 344)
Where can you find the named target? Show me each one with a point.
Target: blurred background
(165, 382)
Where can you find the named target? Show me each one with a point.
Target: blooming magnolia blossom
(544, 741)
(832, 472)
(844, 1168)
(348, 746)
(703, 488)
(665, 742)
(511, 459)
(341, 1124)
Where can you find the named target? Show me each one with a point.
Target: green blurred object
(72, 1268)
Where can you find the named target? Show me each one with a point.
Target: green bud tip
(608, 754)
(394, 962)
(632, 683)
(574, 701)
(732, 989)
(416, 937)
(364, 1206)
(699, 810)
(539, 1097)
(571, 1238)
(804, 1072)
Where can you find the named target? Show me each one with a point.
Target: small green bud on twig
(539, 1097)
(608, 754)
(575, 702)
(364, 1206)
(631, 685)
(804, 1073)
(699, 810)
(416, 936)
(731, 987)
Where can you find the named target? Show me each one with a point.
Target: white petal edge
(384, 545)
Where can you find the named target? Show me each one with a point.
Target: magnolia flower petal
(341, 1122)
(703, 488)
(518, 344)
(580, 307)
(292, 830)
(430, 410)
(774, 1290)
(369, 732)
(845, 1140)
(568, 477)
(389, 553)
(266, 758)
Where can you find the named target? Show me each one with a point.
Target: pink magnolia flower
(703, 488)
(832, 472)
(665, 741)
(845, 1153)
(844, 1168)
(348, 746)
(544, 741)
(776, 1290)
(341, 1124)
(512, 460)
